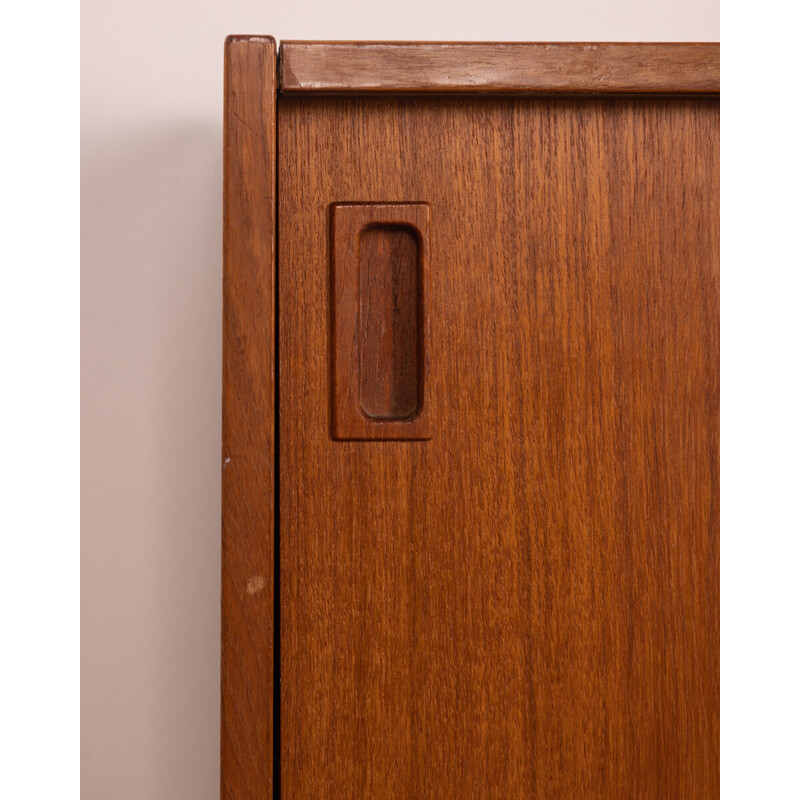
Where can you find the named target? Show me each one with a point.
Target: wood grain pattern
(500, 67)
(525, 606)
(379, 319)
(389, 364)
(248, 421)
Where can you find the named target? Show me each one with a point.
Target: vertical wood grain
(389, 363)
(248, 435)
(525, 606)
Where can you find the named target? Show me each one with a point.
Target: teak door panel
(524, 605)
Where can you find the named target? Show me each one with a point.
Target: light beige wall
(151, 300)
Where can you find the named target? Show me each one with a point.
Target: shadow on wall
(151, 383)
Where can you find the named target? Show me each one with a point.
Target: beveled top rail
(501, 68)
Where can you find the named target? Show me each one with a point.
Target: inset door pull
(379, 262)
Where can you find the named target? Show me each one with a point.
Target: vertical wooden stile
(248, 425)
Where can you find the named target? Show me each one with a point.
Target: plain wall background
(151, 174)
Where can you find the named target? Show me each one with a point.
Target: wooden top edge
(243, 37)
(500, 67)
(475, 43)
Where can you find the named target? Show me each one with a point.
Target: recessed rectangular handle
(379, 255)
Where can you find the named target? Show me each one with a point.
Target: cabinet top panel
(501, 67)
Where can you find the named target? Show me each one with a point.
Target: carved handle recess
(380, 320)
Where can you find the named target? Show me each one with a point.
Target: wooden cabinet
(471, 421)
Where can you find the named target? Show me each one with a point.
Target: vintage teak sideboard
(471, 421)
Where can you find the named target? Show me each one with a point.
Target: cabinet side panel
(248, 425)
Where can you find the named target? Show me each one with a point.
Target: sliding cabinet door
(498, 447)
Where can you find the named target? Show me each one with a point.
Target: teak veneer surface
(248, 419)
(526, 605)
(507, 67)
